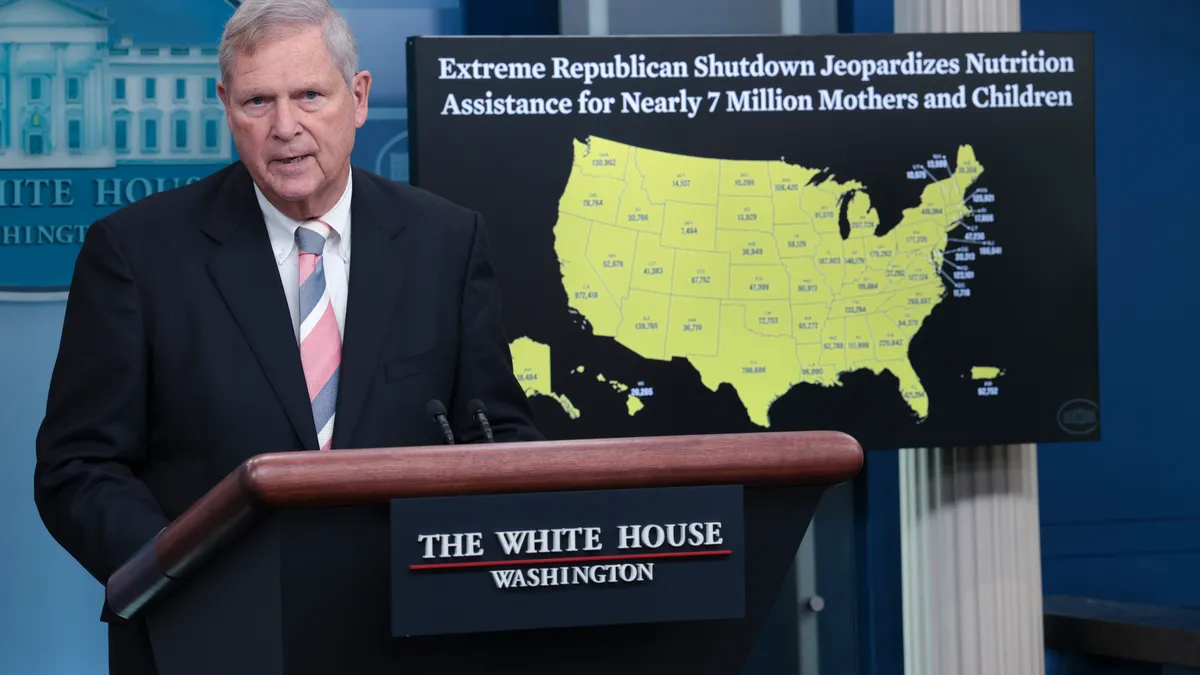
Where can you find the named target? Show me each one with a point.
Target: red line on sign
(549, 561)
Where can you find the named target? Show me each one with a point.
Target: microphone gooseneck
(437, 411)
(479, 413)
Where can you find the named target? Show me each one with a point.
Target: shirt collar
(282, 228)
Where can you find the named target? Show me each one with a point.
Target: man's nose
(287, 123)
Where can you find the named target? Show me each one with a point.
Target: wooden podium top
(293, 480)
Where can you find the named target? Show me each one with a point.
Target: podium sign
(549, 560)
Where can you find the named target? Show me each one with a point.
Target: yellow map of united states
(740, 267)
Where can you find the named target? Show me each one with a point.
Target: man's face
(293, 120)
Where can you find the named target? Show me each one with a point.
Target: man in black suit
(221, 320)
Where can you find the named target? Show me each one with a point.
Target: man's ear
(223, 94)
(361, 90)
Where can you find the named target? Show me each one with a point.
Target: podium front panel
(307, 592)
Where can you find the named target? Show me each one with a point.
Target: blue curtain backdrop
(1121, 517)
(49, 607)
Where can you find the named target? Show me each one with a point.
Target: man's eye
(310, 95)
(257, 100)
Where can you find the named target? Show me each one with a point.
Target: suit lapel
(247, 276)
(377, 270)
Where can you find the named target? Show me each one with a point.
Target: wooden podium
(285, 566)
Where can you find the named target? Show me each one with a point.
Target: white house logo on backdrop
(92, 119)
(73, 100)
(102, 106)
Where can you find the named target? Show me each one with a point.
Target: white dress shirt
(336, 256)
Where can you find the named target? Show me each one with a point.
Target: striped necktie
(320, 342)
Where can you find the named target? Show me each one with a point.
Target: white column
(5, 84)
(91, 110)
(14, 87)
(789, 17)
(104, 95)
(971, 555)
(58, 113)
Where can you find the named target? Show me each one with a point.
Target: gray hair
(256, 21)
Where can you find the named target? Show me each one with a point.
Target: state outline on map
(896, 276)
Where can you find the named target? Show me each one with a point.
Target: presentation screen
(887, 235)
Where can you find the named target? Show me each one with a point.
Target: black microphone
(437, 411)
(475, 407)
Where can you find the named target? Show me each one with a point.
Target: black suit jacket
(178, 359)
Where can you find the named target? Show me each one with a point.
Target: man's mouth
(291, 160)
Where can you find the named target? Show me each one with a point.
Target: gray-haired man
(224, 319)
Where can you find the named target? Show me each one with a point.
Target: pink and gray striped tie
(320, 342)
